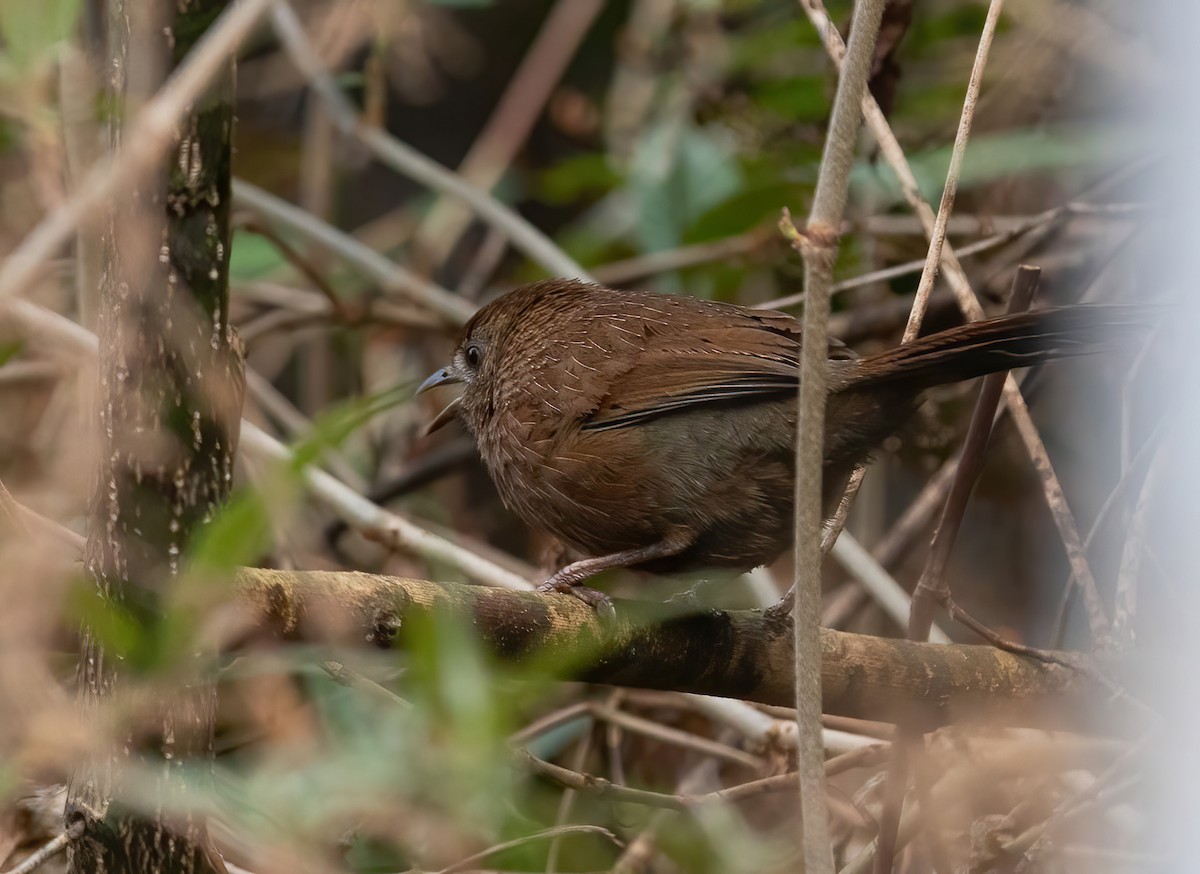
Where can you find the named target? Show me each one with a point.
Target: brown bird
(657, 431)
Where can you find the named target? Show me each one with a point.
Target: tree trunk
(169, 404)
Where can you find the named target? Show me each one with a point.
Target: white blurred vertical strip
(1170, 655)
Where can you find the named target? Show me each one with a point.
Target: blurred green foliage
(31, 31)
(713, 156)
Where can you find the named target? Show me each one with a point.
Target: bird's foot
(606, 613)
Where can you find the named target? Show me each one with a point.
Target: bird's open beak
(445, 376)
(443, 417)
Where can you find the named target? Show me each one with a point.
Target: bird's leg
(567, 579)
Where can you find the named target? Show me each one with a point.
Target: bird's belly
(714, 476)
(586, 497)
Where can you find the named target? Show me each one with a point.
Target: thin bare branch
(391, 276)
(144, 144)
(932, 589)
(295, 423)
(818, 243)
(921, 617)
(950, 190)
(388, 528)
(872, 575)
(956, 278)
(404, 159)
(41, 856)
(1136, 544)
(513, 118)
(544, 835)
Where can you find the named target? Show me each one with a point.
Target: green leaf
(239, 533)
(749, 209)
(1004, 155)
(9, 350)
(678, 172)
(333, 427)
(31, 28)
(776, 39)
(576, 178)
(113, 625)
(252, 256)
(797, 99)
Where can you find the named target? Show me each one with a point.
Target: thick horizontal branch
(733, 654)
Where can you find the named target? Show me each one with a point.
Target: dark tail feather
(1020, 340)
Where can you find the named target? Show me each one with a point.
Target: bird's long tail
(1019, 340)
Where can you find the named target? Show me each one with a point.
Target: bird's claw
(606, 613)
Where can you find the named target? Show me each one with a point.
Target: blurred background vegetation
(656, 142)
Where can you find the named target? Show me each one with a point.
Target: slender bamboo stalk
(818, 244)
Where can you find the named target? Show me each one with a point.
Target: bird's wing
(695, 356)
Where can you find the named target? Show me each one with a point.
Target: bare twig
(388, 528)
(511, 121)
(406, 160)
(352, 679)
(297, 307)
(652, 263)
(878, 582)
(1043, 219)
(23, 517)
(390, 276)
(1056, 500)
(921, 618)
(1135, 547)
(834, 526)
(646, 727)
(1128, 477)
(143, 145)
(938, 234)
(917, 515)
(544, 835)
(957, 280)
(583, 749)
(551, 721)
(295, 423)
(640, 851)
(818, 244)
(932, 589)
(607, 789)
(677, 737)
(40, 857)
(297, 260)
(863, 757)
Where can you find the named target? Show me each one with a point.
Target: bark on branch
(734, 654)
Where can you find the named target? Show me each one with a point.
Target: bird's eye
(474, 355)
